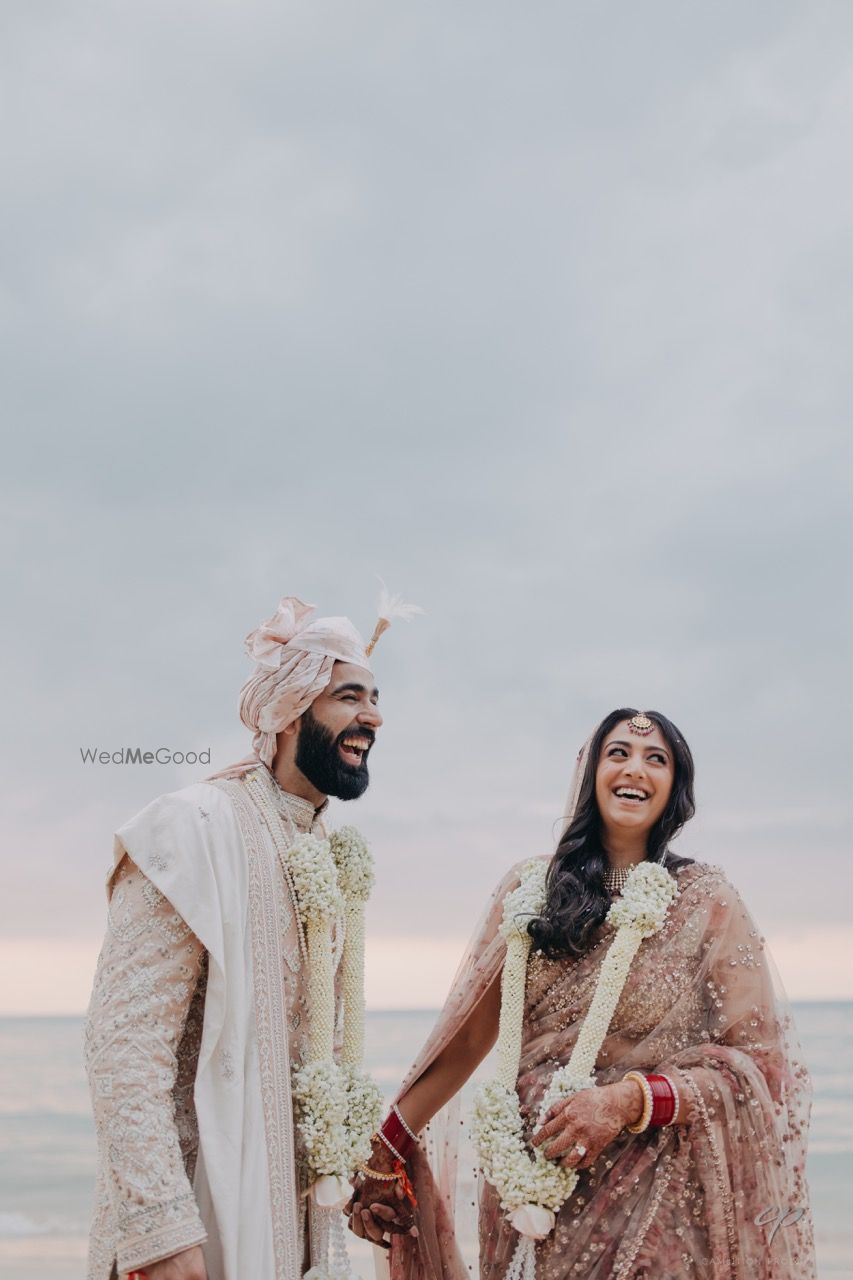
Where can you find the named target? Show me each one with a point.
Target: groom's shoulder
(183, 835)
(202, 806)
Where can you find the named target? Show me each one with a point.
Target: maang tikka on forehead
(641, 724)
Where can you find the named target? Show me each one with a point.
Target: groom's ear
(285, 743)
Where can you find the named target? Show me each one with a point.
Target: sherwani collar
(302, 813)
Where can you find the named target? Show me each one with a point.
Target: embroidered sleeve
(147, 971)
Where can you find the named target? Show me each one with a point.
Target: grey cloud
(544, 319)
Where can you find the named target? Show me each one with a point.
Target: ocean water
(47, 1149)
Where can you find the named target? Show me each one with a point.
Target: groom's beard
(318, 758)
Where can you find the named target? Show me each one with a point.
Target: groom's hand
(378, 1208)
(186, 1265)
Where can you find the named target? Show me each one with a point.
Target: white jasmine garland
(354, 866)
(353, 863)
(338, 1109)
(337, 1106)
(315, 879)
(321, 1105)
(520, 907)
(364, 1116)
(526, 901)
(648, 894)
(528, 1183)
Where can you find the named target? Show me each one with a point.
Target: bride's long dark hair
(577, 900)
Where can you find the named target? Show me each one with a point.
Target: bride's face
(634, 780)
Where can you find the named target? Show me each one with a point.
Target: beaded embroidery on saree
(703, 1004)
(532, 1190)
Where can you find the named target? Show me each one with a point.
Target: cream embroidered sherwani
(197, 1010)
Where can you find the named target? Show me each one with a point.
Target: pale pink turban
(294, 653)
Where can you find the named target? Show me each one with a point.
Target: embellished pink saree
(722, 1197)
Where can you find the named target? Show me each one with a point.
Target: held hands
(378, 1208)
(577, 1130)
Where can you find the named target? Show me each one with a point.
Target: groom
(200, 1001)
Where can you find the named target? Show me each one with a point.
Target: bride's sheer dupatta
(723, 1196)
(719, 1198)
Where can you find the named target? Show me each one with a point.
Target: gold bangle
(377, 1175)
(648, 1102)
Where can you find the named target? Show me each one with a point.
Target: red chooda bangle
(664, 1101)
(396, 1135)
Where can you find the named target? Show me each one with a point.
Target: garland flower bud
(526, 901)
(354, 863)
(648, 894)
(315, 879)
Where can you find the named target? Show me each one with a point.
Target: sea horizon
(47, 1141)
(372, 1011)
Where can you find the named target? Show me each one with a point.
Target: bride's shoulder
(525, 867)
(698, 879)
(521, 870)
(692, 870)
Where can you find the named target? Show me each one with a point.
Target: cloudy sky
(544, 315)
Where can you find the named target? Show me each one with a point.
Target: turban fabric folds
(294, 654)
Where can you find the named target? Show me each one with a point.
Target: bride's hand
(377, 1207)
(577, 1130)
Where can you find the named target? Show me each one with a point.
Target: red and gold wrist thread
(398, 1175)
(405, 1182)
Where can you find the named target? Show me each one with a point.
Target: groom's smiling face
(337, 732)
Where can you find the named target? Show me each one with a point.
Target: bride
(679, 1151)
